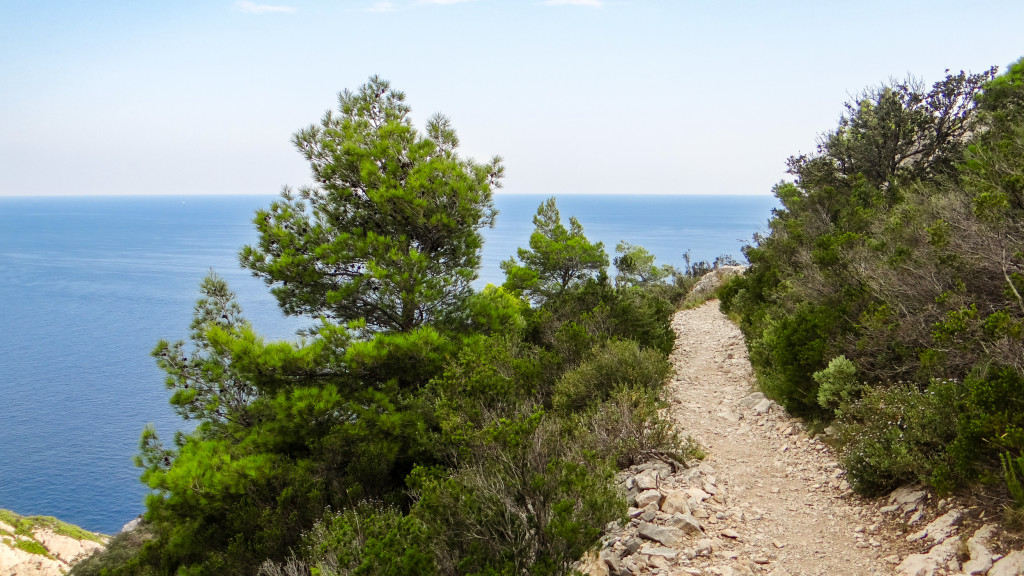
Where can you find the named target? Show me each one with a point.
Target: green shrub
(365, 540)
(613, 365)
(789, 351)
(32, 547)
(119, 558)
(1013, 472)
(991, 419)
(527, 501)
(643, 315)
(837, 384)
(898, 435)
(632, 426)
(729, 292)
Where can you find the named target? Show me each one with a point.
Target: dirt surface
(797, 508)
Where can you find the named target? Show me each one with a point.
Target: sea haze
(89, 285)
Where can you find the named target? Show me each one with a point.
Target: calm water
(88, 286)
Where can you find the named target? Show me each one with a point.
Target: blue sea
(89, 285)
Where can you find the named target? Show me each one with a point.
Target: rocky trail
(769, 499)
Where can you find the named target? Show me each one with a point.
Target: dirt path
(781, 492)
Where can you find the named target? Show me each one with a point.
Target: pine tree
(389, 232)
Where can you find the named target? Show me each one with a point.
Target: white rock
(63, 552)
(907, 495)
(981, 556)
(647, 480)
(1011, 565)
(17, 562)
(612, 561)
(660, 563)
(675, 501)
(665, 534)
(751, 400)
(926, 564)
(647, 497)
(134, 524)
(65, 548)
(692, 476)
(687, 523)
(939, 528)
(697, 494)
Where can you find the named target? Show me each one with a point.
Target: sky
(578, 96)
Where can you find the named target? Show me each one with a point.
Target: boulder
(647, 480)
(674, 502)
(981, 556)
(1010, 565)
(697, 494)
(927, 564)
(763, 406)
(938, 529)
(912, 495)
(133, 525)
(665, 534)
(612, 561)
(647, 497)
(705, 546)
(687, 523)
(667, 553)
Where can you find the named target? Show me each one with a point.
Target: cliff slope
(42, 546)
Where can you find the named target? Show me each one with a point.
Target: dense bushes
(887, 294)
(482, 440)
(614, 365)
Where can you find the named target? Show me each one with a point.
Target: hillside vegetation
(419, 426)
(886, 299)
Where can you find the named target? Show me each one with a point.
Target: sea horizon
(91, 283)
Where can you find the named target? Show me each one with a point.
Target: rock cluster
(945, 550)
(680, 522)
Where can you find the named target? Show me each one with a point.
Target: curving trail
(783, 493)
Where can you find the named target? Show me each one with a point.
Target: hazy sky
(578, 96)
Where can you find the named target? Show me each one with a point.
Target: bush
(899, 435)
(632, 427)
(837, 384)
(526, 502)
(789, 351)
(1013, 472)
(118, 558)
(368, 539)
(613, 365)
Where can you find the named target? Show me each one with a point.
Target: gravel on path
(796, 507)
